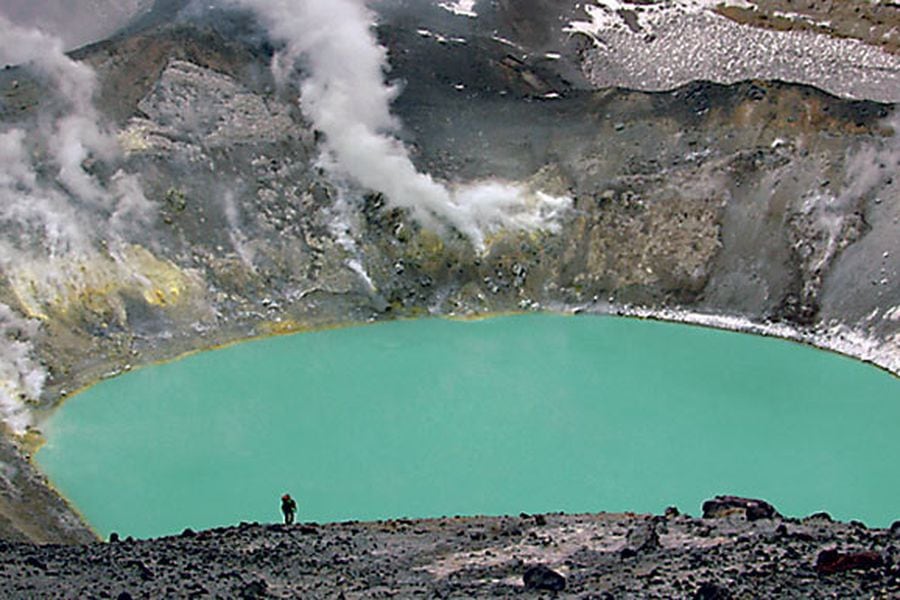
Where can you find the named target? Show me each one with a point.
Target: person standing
(288, 507)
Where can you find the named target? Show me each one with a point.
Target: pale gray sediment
(669, 48)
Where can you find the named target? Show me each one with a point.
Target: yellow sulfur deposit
(95, 283)
(134, 139)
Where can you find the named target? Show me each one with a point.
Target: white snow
(463, 8)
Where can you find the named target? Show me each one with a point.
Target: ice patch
(664, 45)
(463, 8)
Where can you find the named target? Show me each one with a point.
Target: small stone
(641, 538)
(254, 589)
(711, 591)
(541, 577)
(820, 516)
(895, 529)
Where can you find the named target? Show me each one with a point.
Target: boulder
(722, 506)
(831, 561)
(641, 538)
(711, 591)
(542, 577)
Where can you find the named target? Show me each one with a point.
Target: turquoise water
(533, 413)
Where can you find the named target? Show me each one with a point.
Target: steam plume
(53, 210)
(345, 96)
(20, 375)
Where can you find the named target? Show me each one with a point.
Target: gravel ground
(738, 552)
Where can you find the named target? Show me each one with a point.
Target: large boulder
(723, 506)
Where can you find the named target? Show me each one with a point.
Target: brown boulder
(722, 506)
(832, 561)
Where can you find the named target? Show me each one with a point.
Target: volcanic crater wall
(761, 205)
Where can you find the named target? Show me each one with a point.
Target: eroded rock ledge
(735, 552)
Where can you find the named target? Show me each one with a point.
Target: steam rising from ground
(21, 376)
(67, 138)
(53, 208)
(345, 96)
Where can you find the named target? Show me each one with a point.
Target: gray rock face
(208, 108)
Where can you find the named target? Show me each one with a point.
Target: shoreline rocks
(566, 556)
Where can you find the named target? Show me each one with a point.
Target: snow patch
(462, 8)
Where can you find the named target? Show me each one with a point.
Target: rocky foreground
(739, 549)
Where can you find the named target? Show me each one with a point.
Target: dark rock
(820, 516)
(124, 596)
(711, 591)
(540, 520)
(671, 512)
(541, 577)
(145, 572)
(33, 561)
(188, 533)
(895, 529)
(722, 506)
(254, 589)
(831, 561)
(641, 538)
(113, 537)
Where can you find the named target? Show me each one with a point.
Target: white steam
(64, 142)
(21, 376)
(53, 209)
(346, 97)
